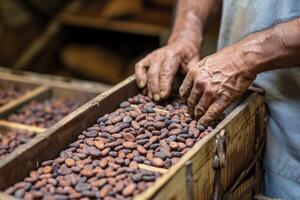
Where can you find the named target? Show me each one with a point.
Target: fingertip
(164, 94)
(156, 97)
(204, 120)
(141, 83)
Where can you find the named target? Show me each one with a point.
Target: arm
(157, 70)
(218, 80)
(191, 20)
(274, 48)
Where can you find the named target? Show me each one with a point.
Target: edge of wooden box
(65, 124)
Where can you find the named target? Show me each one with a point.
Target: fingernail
(163, 94)
(156, 97)
(141, 83)
(180, 91)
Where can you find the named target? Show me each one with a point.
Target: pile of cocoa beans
(11, 92)
(10, 140)
(44, 113)
(103, 163)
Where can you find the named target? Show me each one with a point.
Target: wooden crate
(244, 128)
(42, 87)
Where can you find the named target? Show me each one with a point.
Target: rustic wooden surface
(61, 134)
(19, 102)
(52, 81)
(239, 126)
(16, 126)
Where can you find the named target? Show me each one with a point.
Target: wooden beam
(113, 25)
(18, 126)
(153, 169)
(17, 103)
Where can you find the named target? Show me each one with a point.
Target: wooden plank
(18, 126)
(62, 133)
(113, 25)
(52, 81)
(153, 169)
(16, 104)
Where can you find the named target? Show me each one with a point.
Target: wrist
(257, 51)
(274, 48)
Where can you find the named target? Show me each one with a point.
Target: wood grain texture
(19, 102)
(17, 126)
(23, 77)
(153, 169)
(61, 134)
(240, 133)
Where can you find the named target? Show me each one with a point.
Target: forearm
(274, 48)
(191, 19)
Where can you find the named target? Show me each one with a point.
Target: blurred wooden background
(87, 39)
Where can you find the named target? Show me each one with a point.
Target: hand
(157, 70)
(214, 83)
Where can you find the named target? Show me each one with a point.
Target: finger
(166, 78)
(153, 79)
(186, 87)
(141, 71)
(205, 101)
(214, 111)
(194, 97)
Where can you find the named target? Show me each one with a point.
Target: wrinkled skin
(214, 83)
(157, 70)
(218, 80)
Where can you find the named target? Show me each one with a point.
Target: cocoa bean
(128, 190)
(129, 145)
(157, 162)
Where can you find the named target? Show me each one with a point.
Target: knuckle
(181, 91)
(199, 111)
(209, 92)
(193, 70)
(191, 102)
(199, 83)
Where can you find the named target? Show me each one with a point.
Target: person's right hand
(157, 70)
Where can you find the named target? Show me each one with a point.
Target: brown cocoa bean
(129, 145)
(159, 125)
(129, 137)
(47, 169)
(133, 165)
(141, 150)
(69, 162)
(157, 162)
(87, 172)
(176, 131)
(173, 145)
(153, 139)
(129, 189)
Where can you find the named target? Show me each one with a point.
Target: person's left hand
(214, 83)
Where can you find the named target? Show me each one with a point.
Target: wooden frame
(241, 133)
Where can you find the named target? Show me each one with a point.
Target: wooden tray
(244, 127)
(13, 127)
